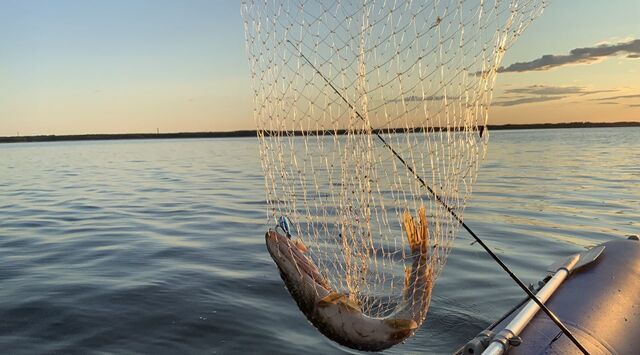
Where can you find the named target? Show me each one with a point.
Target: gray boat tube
(561, 271)
(598, 302)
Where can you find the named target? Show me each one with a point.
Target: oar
(560, 270)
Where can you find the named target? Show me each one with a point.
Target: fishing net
(362, 107)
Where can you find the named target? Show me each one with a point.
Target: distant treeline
(563, 125)
(254, 133)
(99, 137)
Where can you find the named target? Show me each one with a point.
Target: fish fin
(350, 305)
(424, 229)
(407, 277)
(332, 298)
(401, 324)
(300, 245)
(339, 299)
(410, 229)
(418, 235)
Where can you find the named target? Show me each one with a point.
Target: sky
(125, 66)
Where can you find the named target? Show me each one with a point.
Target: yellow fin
(424, 229)
(401, 324)
(300, 245)
(330, 299)
(407, 277)
(350, 305)
(418, 235)
(340, 300)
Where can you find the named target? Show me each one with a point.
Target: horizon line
(255, 132)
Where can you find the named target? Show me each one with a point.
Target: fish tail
(418, 235)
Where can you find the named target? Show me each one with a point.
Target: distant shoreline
(253, 133)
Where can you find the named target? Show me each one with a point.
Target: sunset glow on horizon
(74, 67)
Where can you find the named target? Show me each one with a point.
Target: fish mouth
(284, 251)
(280, 246)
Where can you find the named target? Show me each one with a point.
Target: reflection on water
(157, 246)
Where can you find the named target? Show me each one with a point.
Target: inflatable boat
(596, 295)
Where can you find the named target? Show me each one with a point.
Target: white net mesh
(328, 76)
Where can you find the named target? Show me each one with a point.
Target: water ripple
(158, 246)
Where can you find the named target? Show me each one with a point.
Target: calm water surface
(157, 246)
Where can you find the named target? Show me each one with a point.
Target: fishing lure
(285, 224)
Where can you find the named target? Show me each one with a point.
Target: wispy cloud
(634, 96)
(415, 98)
(578, 55)
(542, 93)
(526, 100)
(554, 90)
(619, 100)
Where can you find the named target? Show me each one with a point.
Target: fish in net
(371, 119)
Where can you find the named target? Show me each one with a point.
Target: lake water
(157, 246)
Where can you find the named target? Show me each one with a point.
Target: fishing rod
(437, 197)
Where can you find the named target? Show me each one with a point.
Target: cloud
(554, 90)
(634, 96)
(415, 98)
(610, 100)
(584, 55)
(526, 100)
(539, 93)
(542, 93)
(545, 90)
